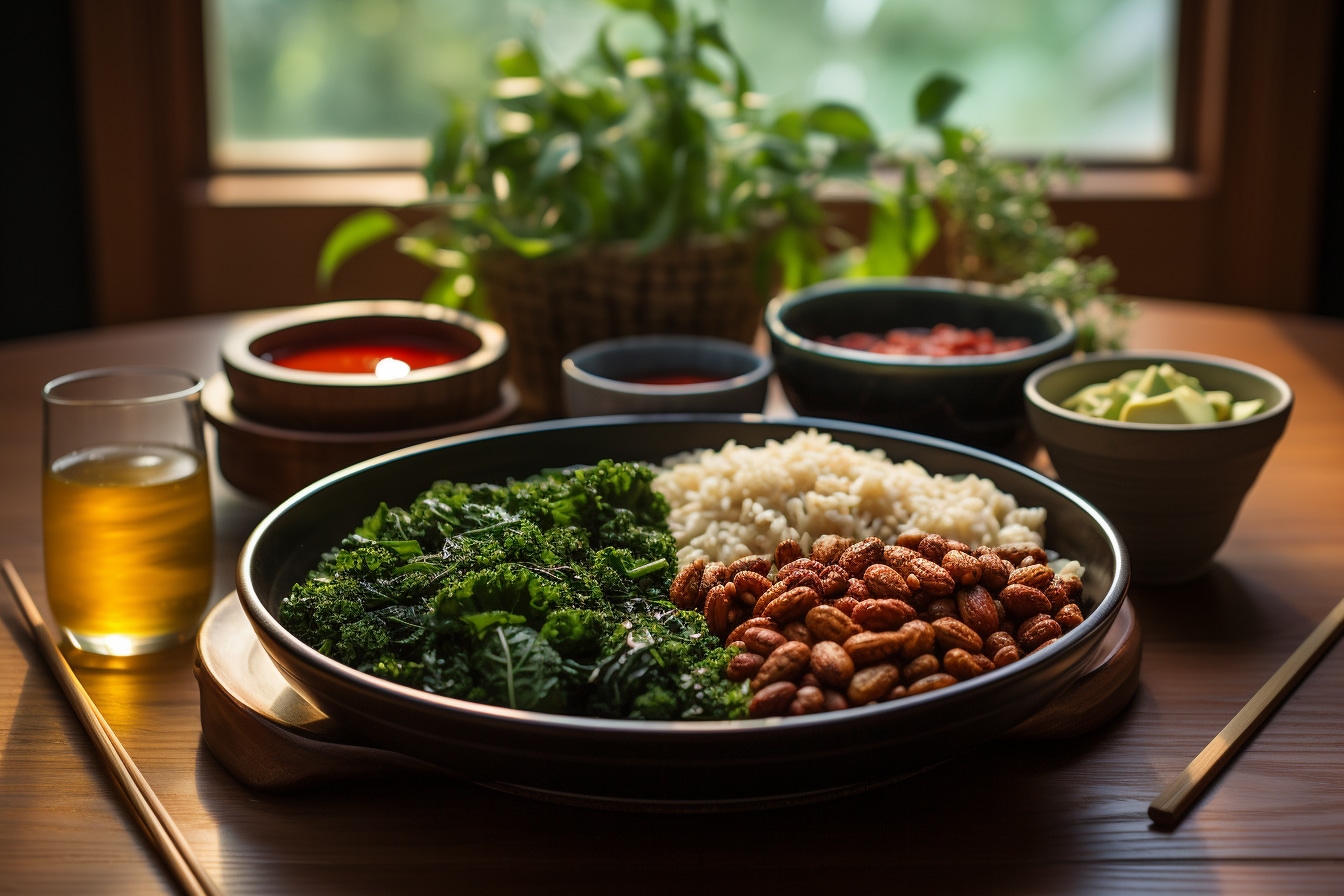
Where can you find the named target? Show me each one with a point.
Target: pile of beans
(860, 622)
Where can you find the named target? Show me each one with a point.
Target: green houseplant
(646, 190)
(649, 190)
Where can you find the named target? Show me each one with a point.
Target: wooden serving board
(272, 463)
(269, 737)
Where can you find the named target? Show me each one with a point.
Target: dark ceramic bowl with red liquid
(365, 366)
(974, 399)
(664, 375)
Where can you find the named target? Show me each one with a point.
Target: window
(355, 83)
(1221, 203)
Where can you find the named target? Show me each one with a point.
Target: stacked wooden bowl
(297, 401)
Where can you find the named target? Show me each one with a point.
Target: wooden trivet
(271, 738)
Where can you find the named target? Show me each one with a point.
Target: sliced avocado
(1129, 379)
(1174, 378)
(1083, 397)
(1152, 383)
(1159, 393)
(1221, 402)
(1101, 407)
(1179, 405)
(1089, 397)
(1248, 408)
(1113, 407)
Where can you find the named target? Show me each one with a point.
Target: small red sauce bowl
(387, 359)
(664, 375)
(451, 366)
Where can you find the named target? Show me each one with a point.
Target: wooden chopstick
(168, 840)
(1166, 811)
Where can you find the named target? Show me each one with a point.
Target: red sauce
(674, 379)
(363, 357)
(944, 340)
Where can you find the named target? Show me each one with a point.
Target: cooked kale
(549, 593)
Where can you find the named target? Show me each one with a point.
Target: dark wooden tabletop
(1064, 816)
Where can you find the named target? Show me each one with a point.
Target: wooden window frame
(1233, 219)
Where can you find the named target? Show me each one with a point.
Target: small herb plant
(998, 227)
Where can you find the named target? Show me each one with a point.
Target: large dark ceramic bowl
(642, 762)
(974, 400)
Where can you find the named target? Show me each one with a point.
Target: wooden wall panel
(250, 257)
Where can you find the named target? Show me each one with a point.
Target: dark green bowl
(974, 400)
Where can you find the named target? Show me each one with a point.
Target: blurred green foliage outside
(1094, 79)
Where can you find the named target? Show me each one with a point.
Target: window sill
(399, 188)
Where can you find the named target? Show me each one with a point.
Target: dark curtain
(44, 286)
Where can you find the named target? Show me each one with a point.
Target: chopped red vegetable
(944, 340)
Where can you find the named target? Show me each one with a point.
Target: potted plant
(647, 190)
(650, 190)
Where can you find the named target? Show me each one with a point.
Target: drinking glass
(127, 526)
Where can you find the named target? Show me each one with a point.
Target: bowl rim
(1031, 389)
(780, 331)
(236, 347)
(572, 365)
(270, 628)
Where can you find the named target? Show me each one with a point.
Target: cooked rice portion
(734, 501)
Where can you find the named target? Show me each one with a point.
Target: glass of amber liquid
(127, 527)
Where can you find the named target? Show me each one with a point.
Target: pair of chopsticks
(1167, 810)
(168, 840)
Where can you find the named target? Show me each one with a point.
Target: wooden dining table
(1064, 816)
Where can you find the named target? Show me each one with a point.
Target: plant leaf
(515, 59)
(706, 73)
(935, 97)
(887, 254)
(843, 122)
(923, 231)
(428, 252)
(528, 247)
(954, 142)
(605, 52)
(351, 236)
(446, 146)
(791, 125)
(443, 291)
(921, 222)
(519, 669)
(709, 34)
(665, 223)
(561, 153)
(665, 13)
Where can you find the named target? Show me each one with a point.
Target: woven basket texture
(553, 305)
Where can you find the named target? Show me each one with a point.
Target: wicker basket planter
(551, 306)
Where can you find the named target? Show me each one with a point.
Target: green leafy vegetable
(547, 594)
